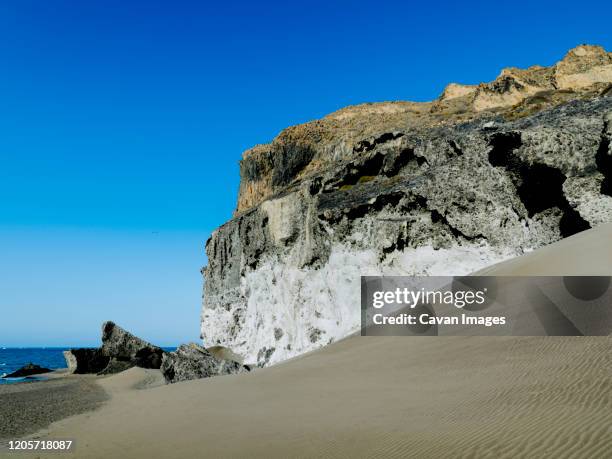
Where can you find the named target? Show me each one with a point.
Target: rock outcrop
(120, 350)
(122, 346)
(85, 360)
(28, 370)
(583, 70)
(484, 173)
(191, 361)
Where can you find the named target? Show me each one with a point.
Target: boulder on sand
(123, 346)
(191, 361)
(120, 350)
(28, 370)
(85, 360)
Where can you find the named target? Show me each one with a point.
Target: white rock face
(291, 310)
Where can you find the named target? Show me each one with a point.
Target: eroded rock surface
(304, 150)
(121, 345)
(443, 188)
(120, 350)
(191, 361)
(85, 360)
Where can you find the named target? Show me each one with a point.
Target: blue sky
(122, 123)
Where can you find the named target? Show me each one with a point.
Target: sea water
(11, 359)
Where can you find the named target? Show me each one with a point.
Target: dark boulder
(191, 361)
(86, 360)
(120, 350)
(28, 370)
(123, 346)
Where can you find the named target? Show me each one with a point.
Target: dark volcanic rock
(191, 361)
(122, 345)
(86, 360)
(28, 370)
(120, 350)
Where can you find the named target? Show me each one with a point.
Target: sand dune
(419, 397)
(585, 254)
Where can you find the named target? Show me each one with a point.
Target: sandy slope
(384, 397)
(588, 253)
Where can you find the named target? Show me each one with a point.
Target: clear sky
(122, 123)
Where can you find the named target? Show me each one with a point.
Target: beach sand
(585, 254)
(28, 407)
(421, 397)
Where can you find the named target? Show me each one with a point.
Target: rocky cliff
(483, 173)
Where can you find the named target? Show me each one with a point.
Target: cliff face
(447, 187)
